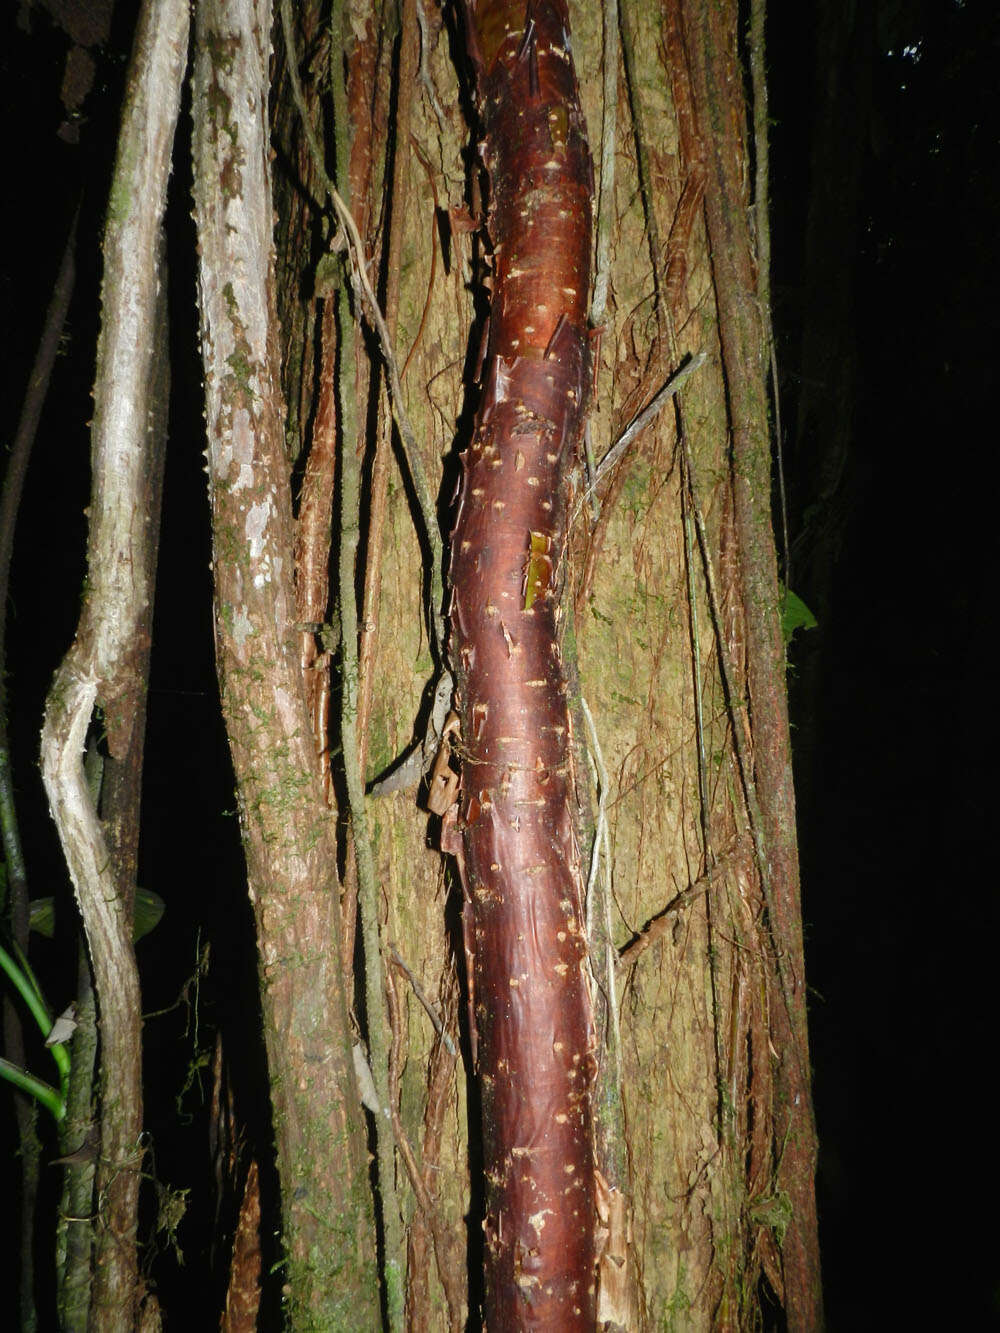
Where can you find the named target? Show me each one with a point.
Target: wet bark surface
(534, 1029)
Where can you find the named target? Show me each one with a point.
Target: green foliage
(149, 908)
(774, 1211)
(22, 978)
(794, 614)
(171, 1205)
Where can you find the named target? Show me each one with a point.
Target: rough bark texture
(105, 666)
(521, 866)
(243, 1291)
(287, 829)
(75, 1236)
(710, 34)
(698, 992)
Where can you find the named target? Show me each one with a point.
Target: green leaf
(794, 614)
(42, 916)
(149, 907)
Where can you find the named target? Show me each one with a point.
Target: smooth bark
(105, 666)
(520, 862)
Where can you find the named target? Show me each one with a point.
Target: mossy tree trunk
(680, 804)
(661, 1049)
(288, 832)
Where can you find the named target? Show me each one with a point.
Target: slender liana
(104, 669)
(533, 1036)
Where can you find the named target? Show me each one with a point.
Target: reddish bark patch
(521, 864)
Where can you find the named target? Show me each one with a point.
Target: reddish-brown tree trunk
(521, 868)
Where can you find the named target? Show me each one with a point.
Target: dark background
(885, 213)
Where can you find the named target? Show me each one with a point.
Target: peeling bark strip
(521, 866)
(286, 826)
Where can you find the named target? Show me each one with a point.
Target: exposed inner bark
(521, 867)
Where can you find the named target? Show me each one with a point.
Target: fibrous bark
(286, 825)
(534, 1028)
(710, 37)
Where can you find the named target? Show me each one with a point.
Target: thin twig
(434, 250)
(402, 1142)
(779, 452)
(642, 154)
(703, 795)
(380, 1057)
(605, 209)
(648, 414)
(761, 149)
(395, 191)
(422, 996)
(409, 769)
(601, 823)
(639, 423)
(699, 710)
(601, 843)
(658, 926)
(449, 1250)
(420, 1180)
(27, 426)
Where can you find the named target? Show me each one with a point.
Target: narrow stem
(27, 426)
(75, 1231)
(24, 982)
(703, 796)
(368, 896)
(699, 708)
(14, 896)
(34, 1087)
(395, 201)
(610, 1111)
